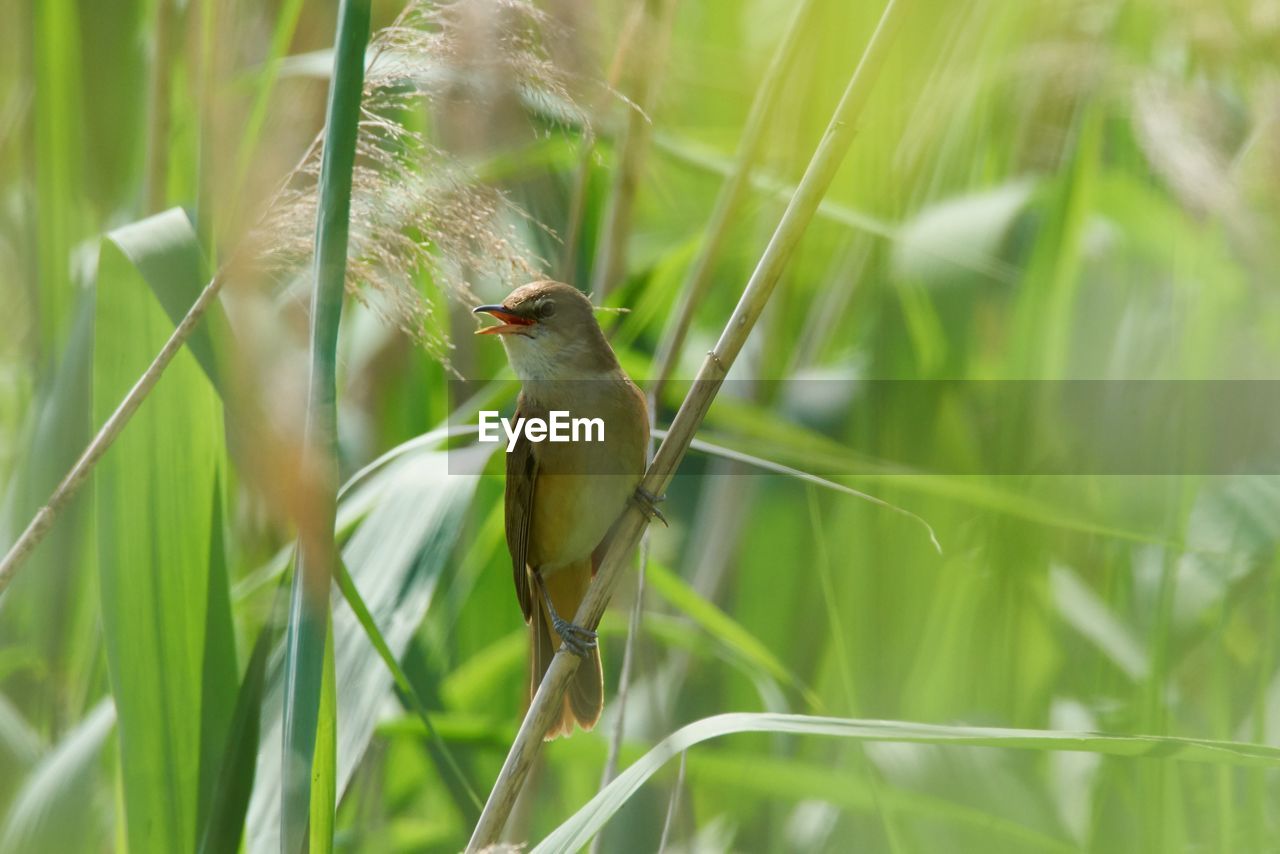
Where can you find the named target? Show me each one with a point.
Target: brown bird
(562, 498)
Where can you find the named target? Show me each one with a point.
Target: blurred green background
(1039, 190)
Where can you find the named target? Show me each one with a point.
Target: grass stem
(309, 600)
(648, 58)
(817, 178)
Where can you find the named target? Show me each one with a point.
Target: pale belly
(582, 487)
(572, 513)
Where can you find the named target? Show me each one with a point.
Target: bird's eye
(546, 308)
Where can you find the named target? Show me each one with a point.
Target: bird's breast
(582, 487)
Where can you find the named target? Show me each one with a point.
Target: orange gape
(562, 498)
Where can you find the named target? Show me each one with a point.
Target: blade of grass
(48, 813)
(59, 167)
(743, 776)
(579, 829)
(324, 768)
(218, 682)
(724, 628)
(164, 251)
(460, 789)
(309, 601)
(166, 617)
(229, 802)
(813, 479)
(413, 513)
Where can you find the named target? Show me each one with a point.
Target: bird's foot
(573, 637)
(648, 503)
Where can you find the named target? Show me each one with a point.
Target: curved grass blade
(176, 278)
(780, 468)
(578, 830)
(48, 813)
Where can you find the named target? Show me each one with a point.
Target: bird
(562, 498)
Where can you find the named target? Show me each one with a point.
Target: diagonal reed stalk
(317, 554)
(41, 523)
(67, 488)
(631, 524)
(692, 292)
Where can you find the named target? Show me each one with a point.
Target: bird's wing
(522, 474)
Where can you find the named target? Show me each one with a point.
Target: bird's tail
(584, 700)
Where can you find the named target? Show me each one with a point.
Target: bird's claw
(648, 503)
(573, 637)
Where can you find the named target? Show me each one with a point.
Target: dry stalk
(631, 524)
(692, 292)
(71, 483)
(610, 264)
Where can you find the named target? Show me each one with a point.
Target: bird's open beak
(511, 322)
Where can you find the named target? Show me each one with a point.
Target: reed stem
(309, 599)
(631, 524)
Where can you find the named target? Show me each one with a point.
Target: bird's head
(550, 332)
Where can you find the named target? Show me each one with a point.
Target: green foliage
(166, 612)
(48, 813)
(579, 828)
(1038, 191)
(407, 520)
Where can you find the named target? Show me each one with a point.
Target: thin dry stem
(70, 485)
(817, 178)
(693, 291)
(672, 805)
(611, 258)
